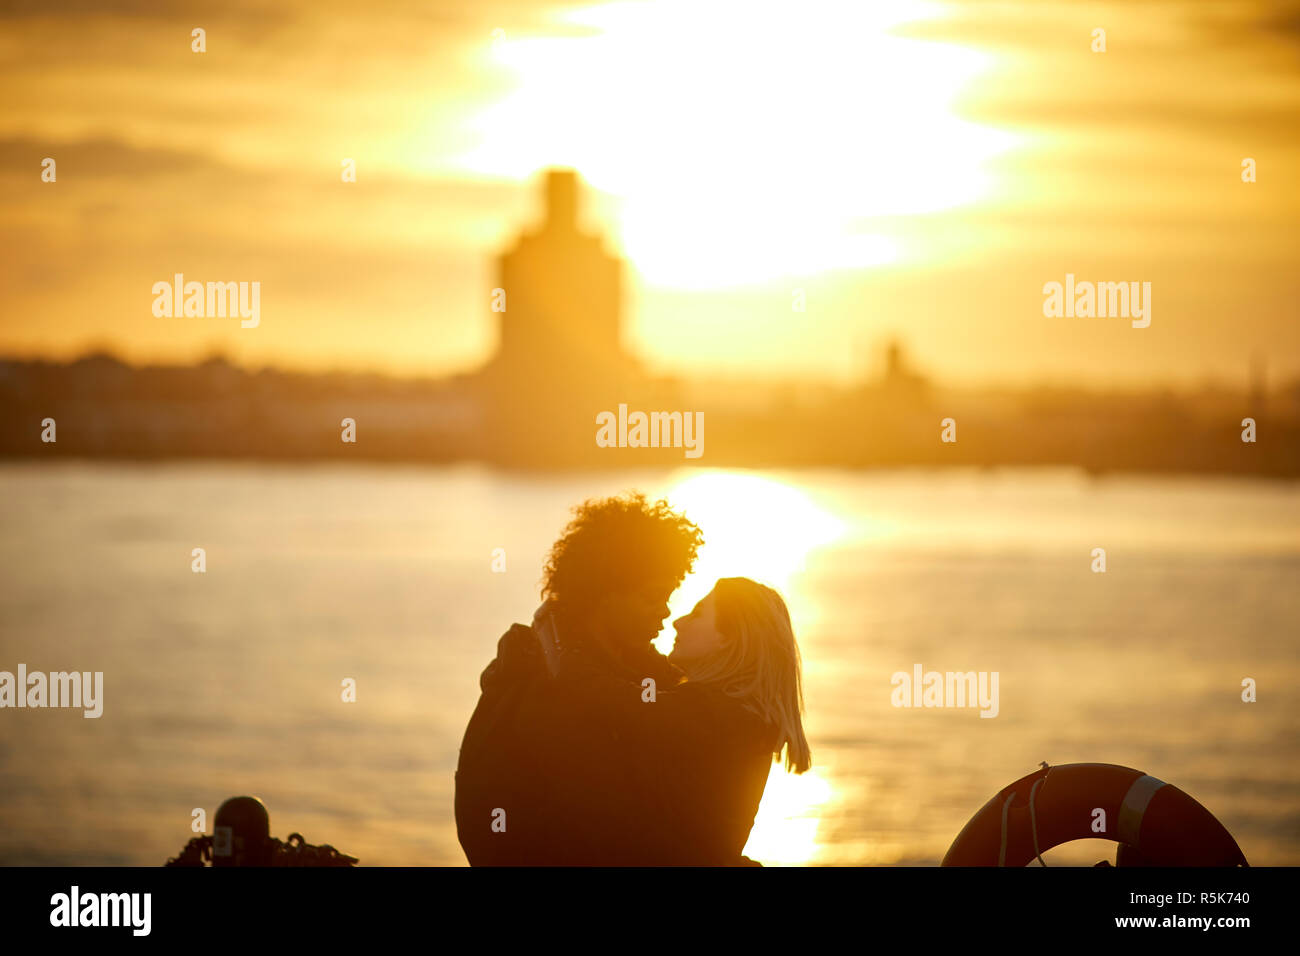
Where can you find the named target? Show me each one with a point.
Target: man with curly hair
(543, 776)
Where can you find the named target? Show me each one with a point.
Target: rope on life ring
(1033, 821)
(1155, 822)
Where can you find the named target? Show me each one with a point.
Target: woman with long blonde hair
(739, 641)
(711, 740)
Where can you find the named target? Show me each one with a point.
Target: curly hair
(618, 543)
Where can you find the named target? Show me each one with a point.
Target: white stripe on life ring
(1134, 806)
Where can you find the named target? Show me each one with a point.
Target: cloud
(101, 157)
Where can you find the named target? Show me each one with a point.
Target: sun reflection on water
(785, 827)
(759, 528)
(754, 527)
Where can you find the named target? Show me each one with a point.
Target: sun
(743, 143)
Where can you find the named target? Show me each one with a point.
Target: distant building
(560, 357)
(563, 297)
(900, 384)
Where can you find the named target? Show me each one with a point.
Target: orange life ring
(1161, 824)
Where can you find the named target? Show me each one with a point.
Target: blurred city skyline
(917, 174)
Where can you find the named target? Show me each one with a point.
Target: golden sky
(919, 169)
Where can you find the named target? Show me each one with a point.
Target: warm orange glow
(745, 144)
(918, 168)
(755, 527)
(922, 311)
(785, 828)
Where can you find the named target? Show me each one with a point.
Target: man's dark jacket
(549, 774)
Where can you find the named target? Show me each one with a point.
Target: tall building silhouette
(560, 357)
(563, 295)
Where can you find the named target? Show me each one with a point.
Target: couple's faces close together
(639, 615)
(698, 636)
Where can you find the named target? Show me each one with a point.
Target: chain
(302, 853)
(198, 852)
(296, 851)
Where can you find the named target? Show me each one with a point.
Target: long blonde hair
(759, 663)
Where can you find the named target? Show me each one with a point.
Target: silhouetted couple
(588, 747)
